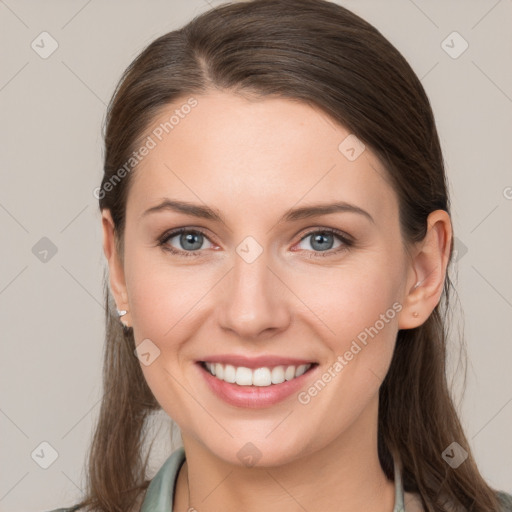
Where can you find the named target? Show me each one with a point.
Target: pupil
(189, 238)
(318, 239)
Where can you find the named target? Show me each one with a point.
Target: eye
(189, 239)
(191, 242)
(322, 241)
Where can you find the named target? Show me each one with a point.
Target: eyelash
(347, 242)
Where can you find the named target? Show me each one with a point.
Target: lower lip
(254, 396)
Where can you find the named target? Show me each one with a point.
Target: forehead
(257, 155)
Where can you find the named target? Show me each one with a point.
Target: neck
(344, 475)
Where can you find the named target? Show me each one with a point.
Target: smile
(263, 376)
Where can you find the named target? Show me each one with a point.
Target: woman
(299, 341)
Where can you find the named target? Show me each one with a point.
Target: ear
(427, 271)
(116, 271)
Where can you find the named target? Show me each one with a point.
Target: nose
(254, 300)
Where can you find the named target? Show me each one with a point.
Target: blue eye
(322, 239)
(192, 240)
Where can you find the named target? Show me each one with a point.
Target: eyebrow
(294, 214)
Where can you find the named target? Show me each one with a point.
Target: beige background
(52, 312)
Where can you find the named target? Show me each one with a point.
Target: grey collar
(399, 490)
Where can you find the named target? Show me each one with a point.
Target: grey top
(160, 492)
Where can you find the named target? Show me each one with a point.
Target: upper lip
(256, 362)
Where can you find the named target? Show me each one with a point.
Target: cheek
(162, 302)
(357, 309)
(161, 297)
(347, 300)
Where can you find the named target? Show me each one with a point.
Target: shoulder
(505, 501)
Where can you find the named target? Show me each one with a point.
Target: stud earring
(416, 285)
(121, 313)
(415, 314)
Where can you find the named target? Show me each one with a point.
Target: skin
(254, 159)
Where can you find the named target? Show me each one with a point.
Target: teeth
(229, 373)
(259, 377)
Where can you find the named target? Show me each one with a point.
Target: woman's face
(264, 281)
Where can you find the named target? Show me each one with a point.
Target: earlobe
(116, 271)
(427, 272)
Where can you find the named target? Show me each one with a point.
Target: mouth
(257, 387)
(258, 377)
(258, 381)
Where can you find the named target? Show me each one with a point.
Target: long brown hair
(322, 54)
